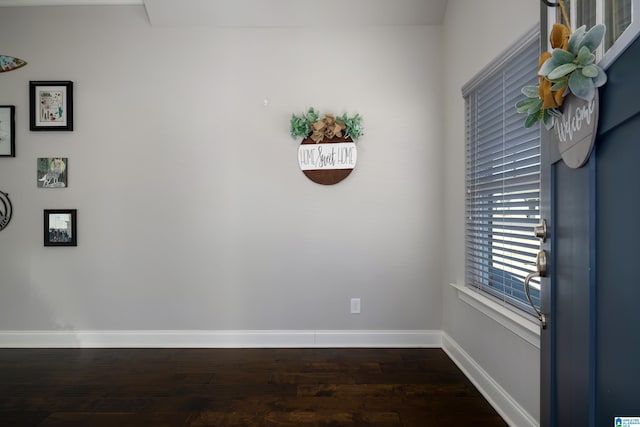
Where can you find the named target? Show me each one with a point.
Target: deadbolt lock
(540, 231)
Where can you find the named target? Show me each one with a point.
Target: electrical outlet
(355, 305)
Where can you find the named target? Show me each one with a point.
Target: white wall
(192, 212)
(474, 33)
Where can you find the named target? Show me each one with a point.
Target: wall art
(566, 98)
(327, 153)
(9, 63)
(52, 172)
(51, 105)
(7, 131)
(60, 227)
(6, 210)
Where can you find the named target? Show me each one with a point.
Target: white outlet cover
(355, 305)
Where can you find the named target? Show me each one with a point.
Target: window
(615, 14)
(502, 177)
(621, 17)
(617, 18)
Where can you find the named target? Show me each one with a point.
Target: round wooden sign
(575, 130)
(327, 162)
(6, 210)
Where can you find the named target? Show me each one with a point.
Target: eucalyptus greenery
(532, 105)
(353, 126)
(572, 70)
(301, 125)
(576, 67)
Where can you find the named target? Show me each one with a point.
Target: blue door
(590, 348)
(617, 237)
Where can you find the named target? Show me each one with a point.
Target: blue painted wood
(620, 97)
(590, 353)
(617, 372)
(592, 165)
(571, 295)
(548, 336)
(618, 273)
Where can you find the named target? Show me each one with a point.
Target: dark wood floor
(237, 387)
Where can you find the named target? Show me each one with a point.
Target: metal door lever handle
(541, 317)
(541, 267)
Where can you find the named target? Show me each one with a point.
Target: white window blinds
(502, 177)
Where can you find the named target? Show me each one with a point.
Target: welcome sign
(327, 162)
(575, 130)
(327, 156)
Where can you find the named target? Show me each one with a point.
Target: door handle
(541, 267)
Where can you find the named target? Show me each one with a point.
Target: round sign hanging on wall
(329, 161)
(575, 129)
(5, 210)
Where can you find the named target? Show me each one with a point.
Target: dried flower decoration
(329, 127)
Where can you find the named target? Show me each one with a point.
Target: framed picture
(51, 105)
(7, 131)
(52, 172)
(60, 228)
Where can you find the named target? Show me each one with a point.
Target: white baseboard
(219, 339)
(503, 403)
(391, 339)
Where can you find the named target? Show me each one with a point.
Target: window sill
(525, 328)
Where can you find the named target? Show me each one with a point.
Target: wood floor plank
(237, 387)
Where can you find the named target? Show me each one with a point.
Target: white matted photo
(51, 105)
(7, 131)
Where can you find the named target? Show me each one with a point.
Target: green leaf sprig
(301, 125)
(532, 105)
(572, 70)
(353, 126)
(575, 68)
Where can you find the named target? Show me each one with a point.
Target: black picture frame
(51, 105)
(7, 131)
(60, 227)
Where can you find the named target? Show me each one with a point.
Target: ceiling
(273, 13)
